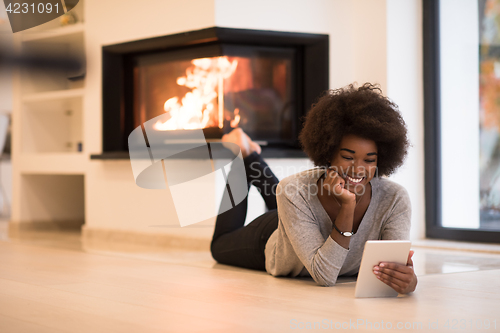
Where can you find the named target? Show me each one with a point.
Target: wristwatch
(344, 233)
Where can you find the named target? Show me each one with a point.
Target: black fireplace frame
(312, 76)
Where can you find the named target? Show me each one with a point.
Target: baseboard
(456, 245)
(16, 228)
(95, 237)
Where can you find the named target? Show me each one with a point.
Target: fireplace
(214, 79)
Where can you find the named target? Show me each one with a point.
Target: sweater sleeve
(322, 258)
(398, 222)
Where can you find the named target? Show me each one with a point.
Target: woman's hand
(399, 277)
(333, 184)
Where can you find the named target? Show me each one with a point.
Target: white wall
(357, 30)
(375, 41)
(113, 21)
(405, 88)
(113, 201)
(361, 49)
(333, 17)
(5, 108)
(370, 41)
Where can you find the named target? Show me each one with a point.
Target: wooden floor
(65, 289)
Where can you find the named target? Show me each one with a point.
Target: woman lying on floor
(319, 220)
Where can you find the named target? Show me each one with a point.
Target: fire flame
(236, 119)
(197, 109)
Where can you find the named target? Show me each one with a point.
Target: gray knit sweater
(302, 246)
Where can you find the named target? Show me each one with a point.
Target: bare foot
(242, 140)
(255, 147)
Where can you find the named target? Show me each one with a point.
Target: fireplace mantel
(266, 153)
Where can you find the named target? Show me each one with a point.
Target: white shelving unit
(49, 159)
(64, 34)
(53, 95)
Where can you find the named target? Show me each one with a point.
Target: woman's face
(355, 162)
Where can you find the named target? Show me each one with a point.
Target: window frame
(432, 137)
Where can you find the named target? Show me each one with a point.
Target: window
(462, 119)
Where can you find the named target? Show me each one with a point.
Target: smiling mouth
(354, 180)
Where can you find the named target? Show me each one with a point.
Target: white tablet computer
(376, 251)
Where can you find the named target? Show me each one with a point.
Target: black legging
(239, 245)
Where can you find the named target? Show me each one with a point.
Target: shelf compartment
(53, 198)
(71, 47)
(52, 125)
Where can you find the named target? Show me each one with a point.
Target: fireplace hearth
(214, 79)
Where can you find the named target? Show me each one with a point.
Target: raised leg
(232, 243)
